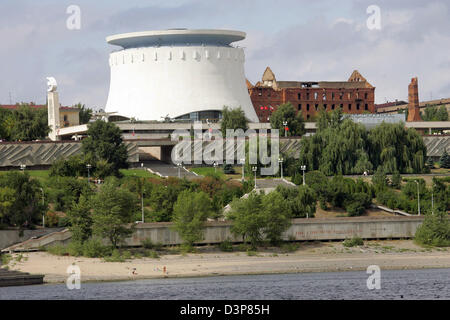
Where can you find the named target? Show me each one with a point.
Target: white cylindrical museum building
(181, 74)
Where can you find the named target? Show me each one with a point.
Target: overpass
(162, 130)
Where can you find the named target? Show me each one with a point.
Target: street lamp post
(142, 199)
(280, 161)
(432, 198)
(179, 170)
(243, 166)
(285, 128)
(303, 168)
(43, 204)
(418, 196)
(88, 167)
(215, 166)
(22, 167)
(254, 172)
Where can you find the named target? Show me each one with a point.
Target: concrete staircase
(59, 237)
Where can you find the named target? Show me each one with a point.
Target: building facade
(354, 96)
(69, 116)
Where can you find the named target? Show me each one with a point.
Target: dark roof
(322, 84)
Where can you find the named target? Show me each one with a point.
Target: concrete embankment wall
(300, 230)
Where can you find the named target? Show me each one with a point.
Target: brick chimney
(413, 101)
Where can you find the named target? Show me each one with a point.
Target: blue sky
(299, 40)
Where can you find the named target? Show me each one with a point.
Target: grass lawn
(138, 173)
(41, 175)
(203, 171)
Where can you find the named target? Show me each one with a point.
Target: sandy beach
(310, 257)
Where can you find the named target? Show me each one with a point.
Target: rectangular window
(366, 107)
(316, 106)
(307, 107)
(332, 107)
(325, 106)
(324, 96)
(341, 94)
(299, 96)
(332, 96)
(365, 95)
(349, 106)
(307, 96)
(299, 106)
(357, 106)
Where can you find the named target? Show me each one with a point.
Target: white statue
(51, 84)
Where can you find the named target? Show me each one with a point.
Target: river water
(395, 284)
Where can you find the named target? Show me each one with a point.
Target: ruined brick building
(413, 101)
(356, 95)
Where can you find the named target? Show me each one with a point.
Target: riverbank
(209, 261)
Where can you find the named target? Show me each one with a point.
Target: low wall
(300, 230)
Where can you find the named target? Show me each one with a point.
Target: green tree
(80, 219)
(295, 122)
(444, 161)
(27, 209)
(7, 199)
(435, 113)
(379, 180)
(27, 124)
(276, 217)
(85, 113)
(233, 119)
(434, 231)
(396, 180)
(113, 208)
(190, 213)
(397, 149)
(248, 218)
(104, 142)
(162, 200)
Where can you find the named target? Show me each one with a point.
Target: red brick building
(356, 95)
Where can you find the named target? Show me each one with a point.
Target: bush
(355, 241)
(94, 249)
(289, 247)
(226, 246)
(434, 231)
(114, 257)
(57, 250)
(151, 254)
(75, 248)
(357, 204)
(5, 259)
(147, 243)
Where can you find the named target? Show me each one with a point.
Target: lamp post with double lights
(23, 167)
(285, 128)
(215, 166)
(303, 168)
(254, 172)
